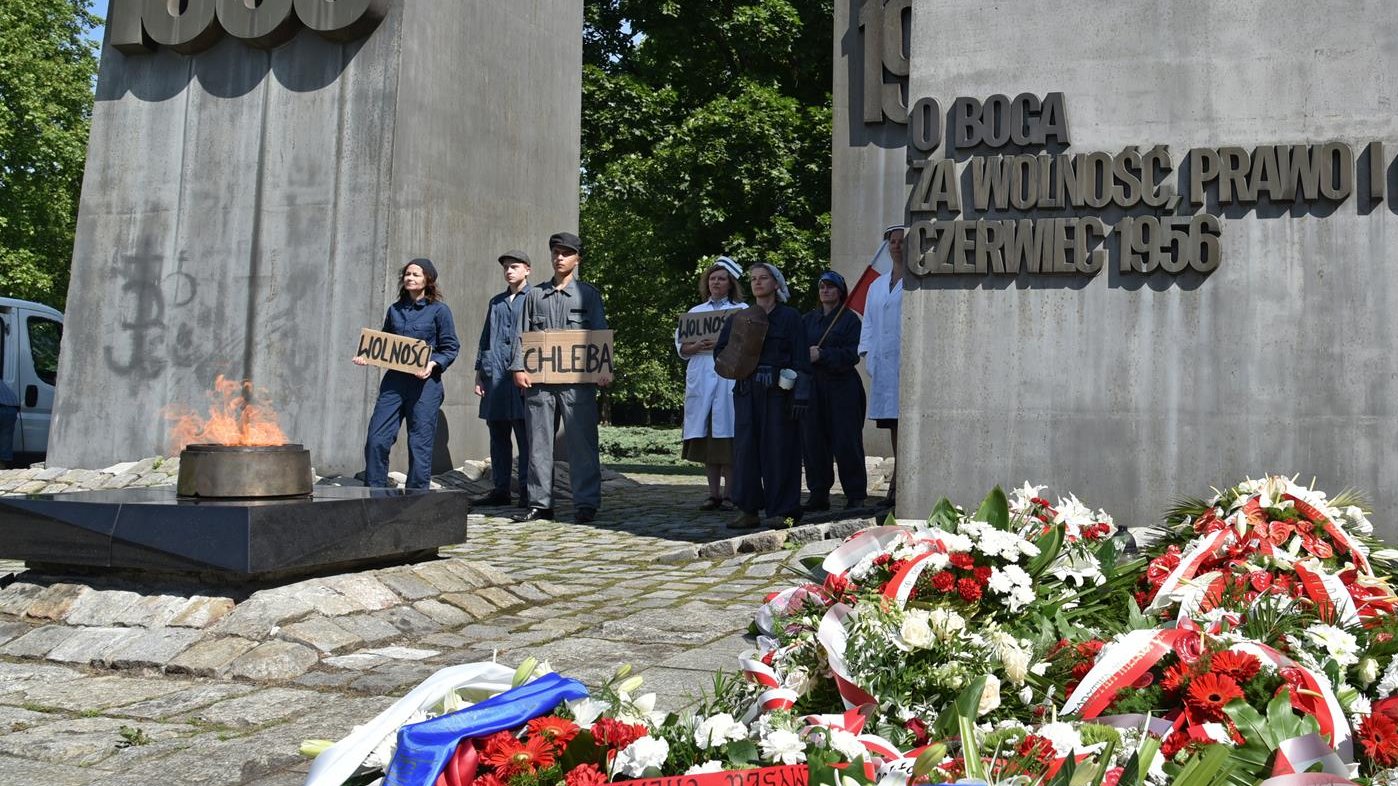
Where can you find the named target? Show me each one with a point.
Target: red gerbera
(1238, 666)
(585, 775)
(1175, 678)
(488, 779)
(1207, 696)
(523, 756)
(557, 731)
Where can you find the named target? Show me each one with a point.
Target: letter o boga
(739, 357)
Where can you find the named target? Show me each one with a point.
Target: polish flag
(881, 263)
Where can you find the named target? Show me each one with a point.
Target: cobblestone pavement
(653, 582)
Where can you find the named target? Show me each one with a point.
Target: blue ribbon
(424, 748)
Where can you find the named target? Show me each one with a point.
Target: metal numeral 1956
(191, 26)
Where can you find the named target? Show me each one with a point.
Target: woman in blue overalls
(419, 313)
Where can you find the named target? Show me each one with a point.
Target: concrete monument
(256, 178)
(1149, 247)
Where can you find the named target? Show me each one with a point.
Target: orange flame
(239, 414)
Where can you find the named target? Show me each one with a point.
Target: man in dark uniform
(834, 423)
(565, 303)
(502, 404)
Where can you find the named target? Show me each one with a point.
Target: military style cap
(515, 256)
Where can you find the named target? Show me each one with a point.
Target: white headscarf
(782, 292)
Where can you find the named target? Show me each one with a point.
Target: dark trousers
(833, 431)
(575, 407)
(500, 457)
(403, 396)
(766, 450)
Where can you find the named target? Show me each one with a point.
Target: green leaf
(1209, 767)
(1050, 543)
(994, 510)
(944, 515)
(741, 753)
(928, 760)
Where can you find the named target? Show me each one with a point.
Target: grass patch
(133, 736)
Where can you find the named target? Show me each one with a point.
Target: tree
(706, 131)
(46, 82)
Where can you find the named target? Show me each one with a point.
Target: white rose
(915, 630)
(990, 697)
(945, 623)
(1368, 671)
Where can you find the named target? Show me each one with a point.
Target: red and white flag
(881, 263)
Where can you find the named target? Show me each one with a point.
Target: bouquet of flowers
(901, 618)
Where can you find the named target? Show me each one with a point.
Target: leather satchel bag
(739, 357)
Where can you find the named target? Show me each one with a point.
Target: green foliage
(639, 445)
(706, 131)
(46, 80)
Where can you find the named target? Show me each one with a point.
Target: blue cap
(836, 280)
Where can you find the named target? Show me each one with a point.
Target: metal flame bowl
(244, 472)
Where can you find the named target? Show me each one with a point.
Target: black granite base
(153, 530)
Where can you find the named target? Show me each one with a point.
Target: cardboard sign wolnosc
(392, 351)
(554, 357)
(700, 325)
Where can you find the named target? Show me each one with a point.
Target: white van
(29, 339)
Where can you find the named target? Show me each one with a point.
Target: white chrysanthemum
(1388, 683)
(717, 730)
(641, 755)
(1064, 737)
(863, 567)
(783, 747)
(844, 743)
(1340, 644)
(1014, 584)
(708, 766)
(955, 542)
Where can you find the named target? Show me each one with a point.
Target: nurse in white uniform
(880, 342)
(708, 398)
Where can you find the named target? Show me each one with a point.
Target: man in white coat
(880, 342)
(708, 398)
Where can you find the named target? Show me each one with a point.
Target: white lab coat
(880, 344)
(705, 392)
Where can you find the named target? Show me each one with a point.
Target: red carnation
(1089, 649)
(612, 733)
(982, 575)
(585, 775)
(943, 581)
(963, 560)
(1208, 695)
(969, 590)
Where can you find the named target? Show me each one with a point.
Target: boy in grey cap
(502, 405)
(565, 303)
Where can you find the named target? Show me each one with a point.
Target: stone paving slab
(584, 598)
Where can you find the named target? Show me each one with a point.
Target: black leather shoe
(494, 499)
(746, 520)
(585, 516)
(536, 514)
(856, 503)
(817, 502)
